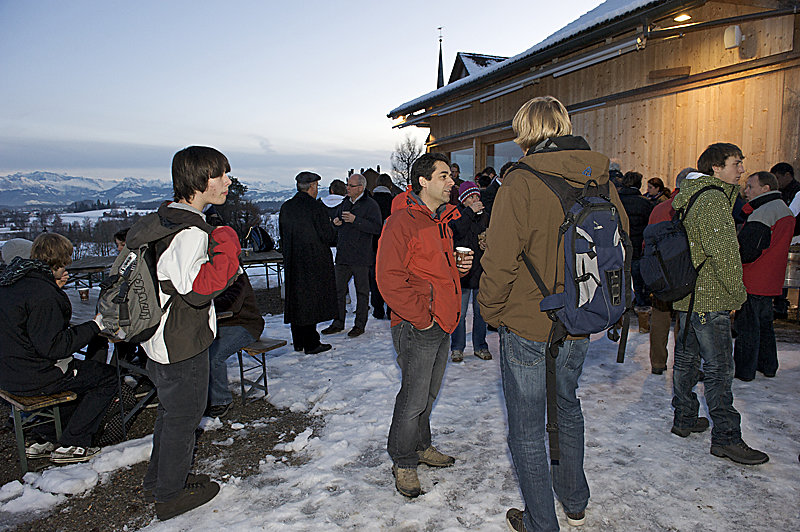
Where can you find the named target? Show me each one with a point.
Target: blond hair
(53, 249)
(538, 119)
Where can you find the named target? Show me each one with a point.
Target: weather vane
(440, 33)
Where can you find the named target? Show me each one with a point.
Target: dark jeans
(459, 341)
(360, 275)
(755, 347)
(229, 340)
(522, 367)
(182, 392)
(305, 336)
(422, 357)
(96, 386)
(709, 339)
(640, 294)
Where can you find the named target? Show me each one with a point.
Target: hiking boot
(434, 458)
(191, 478)
(514, 520)
(457, 356)
(355, 331)
(483, 354)
(39, 450)
(701, 425)
(190, 497)
(70, 455)
(214, 411)
(319, 349)
(332, 329)
(406, 481)
(576, 519)
(740, 453)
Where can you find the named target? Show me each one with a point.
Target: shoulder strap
(681, 213)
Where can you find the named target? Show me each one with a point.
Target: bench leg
(264, 374)
(23, 459)
(241, 376)
(57, 420)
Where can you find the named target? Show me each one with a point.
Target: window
(465, 161)
(499, 154)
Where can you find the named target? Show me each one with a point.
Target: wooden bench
(257, 350)
(43, 406)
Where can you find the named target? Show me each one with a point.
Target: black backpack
(666, 264)
(258, 239)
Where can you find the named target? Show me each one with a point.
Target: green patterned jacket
(712, 238)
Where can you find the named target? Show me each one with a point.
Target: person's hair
(766, 179)
(538, 119)
(682, 175)
(122, 235)
(456, 165)
(53, 249)
(658, 183)
(782, 168)
(385, 180)
(483, 180)
(424, 166)
(505, 168)
(488, 171)
(716, 155)
(614, 165)
(337, 187)
(632, 179)
(360, 178)
(192, 167)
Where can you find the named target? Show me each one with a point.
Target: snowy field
(641, 476)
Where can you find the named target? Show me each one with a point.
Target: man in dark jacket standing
(37, 343)
(764, 247)
(306, 239)
(358, 220)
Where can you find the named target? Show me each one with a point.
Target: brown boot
(406, 481)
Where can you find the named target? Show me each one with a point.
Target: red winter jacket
(416, 269)
(764, 244)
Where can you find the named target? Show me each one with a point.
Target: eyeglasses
(356, 185)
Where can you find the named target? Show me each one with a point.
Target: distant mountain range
(48, 188)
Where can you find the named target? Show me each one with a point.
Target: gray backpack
(129, 296)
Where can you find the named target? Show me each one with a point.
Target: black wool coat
(307, 235)
(465, 234)
(638, 209)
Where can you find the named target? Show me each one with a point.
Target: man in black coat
(358, 220)
(306, 239)
(638, 209)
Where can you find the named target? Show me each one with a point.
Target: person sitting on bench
(37, 343)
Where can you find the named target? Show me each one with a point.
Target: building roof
(468, 64)
(607, 19)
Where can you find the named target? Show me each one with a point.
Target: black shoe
(217, 410)
(658, 371)
(379, 315)
(701, 425)
(190, 497)
(744, 379)
(191, 478)
(740, 453)
(355, 331)
(319, 349)
(576, 519)
(514, 520)
(332, 329)
(768, 374)
(298, 347)
(701, 377)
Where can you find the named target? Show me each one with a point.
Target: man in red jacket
(764, 246)
(419, 279)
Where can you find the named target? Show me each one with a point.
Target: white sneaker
(69, 455)
(39, 450)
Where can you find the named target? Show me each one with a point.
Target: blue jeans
(182, 392)
(755, 347)
(522, 366)
(228, 341)
(709, 339)
(422, 357)
(459, 340)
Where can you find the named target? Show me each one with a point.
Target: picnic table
(84, 270)
(272, 261)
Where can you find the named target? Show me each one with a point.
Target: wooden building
(643, 84)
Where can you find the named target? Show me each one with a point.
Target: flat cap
(307, 177)
(16, 247)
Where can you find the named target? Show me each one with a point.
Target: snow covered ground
(641, 476)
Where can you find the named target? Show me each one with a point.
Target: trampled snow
(641, 477)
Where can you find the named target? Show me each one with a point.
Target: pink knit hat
(467, 189)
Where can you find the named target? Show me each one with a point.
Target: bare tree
(403, 157)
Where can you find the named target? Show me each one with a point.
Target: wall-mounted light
(683, 17)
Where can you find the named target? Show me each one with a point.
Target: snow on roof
(474, 63)
(605, 12)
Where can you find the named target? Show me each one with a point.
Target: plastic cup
(461, 253)
(84, 293)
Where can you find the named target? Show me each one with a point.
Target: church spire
(440, 78)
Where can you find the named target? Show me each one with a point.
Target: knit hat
(467, 189)
(16, 247)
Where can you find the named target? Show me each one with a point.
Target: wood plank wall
(660, 135)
